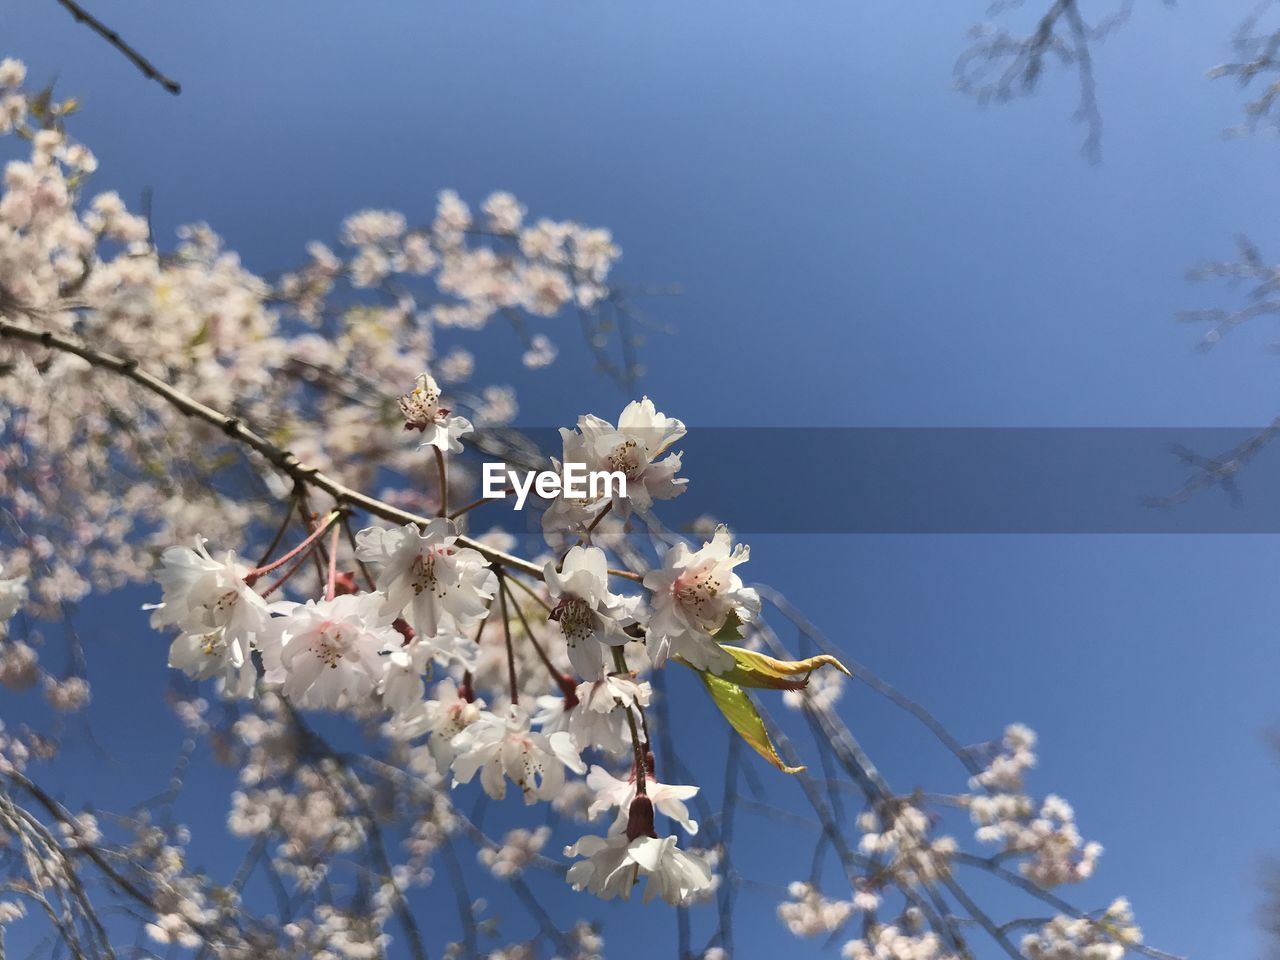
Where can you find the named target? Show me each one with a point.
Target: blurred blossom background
(823, 232)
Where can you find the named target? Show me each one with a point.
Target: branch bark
(283, 460)
(148, 70)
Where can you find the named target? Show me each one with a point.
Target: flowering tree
(166, 415)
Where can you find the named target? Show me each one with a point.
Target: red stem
(333, 565)
(254, 574)
(506, 630)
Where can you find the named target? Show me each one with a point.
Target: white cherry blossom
(1109, 937)
(13, 593)
(614, 865)
(403, 683)
(590, 615)
(595, 714)
(422, 411)
(221, 619)
(442, 589)
(600, 717)
(442, 717)
(502, 748)
(693, 596)
(667, 799)
(330, 650)
(635, 448)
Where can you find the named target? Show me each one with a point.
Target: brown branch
(81, 15)
(283, 460)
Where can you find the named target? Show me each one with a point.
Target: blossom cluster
(900, 836)
(428, 601)
(1085, 938)
(892, 943)
(1044, 836)
(302, 356)
(807, 913)
(529, 676)
(902, 851)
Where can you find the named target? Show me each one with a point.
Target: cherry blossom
(893, 943)
(900, 836)
(1083, 938)
(442, 718)
(315, 360)
(12, 73)
(614, 865)
(590, 615)
(1046, 835)
(422, 411)
(810, 914)
(330, 650)
(595, 715)
(402, 684)
(502, 748)
(667, 799)
(220, 617)
(13, 592)
(634, 448)
(442, 588)
(693, 595)
(519, 848)
(599, 719)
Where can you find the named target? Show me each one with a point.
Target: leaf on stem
(738, 708)
(753, 669)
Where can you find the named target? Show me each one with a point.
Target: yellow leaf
(753, 669)
(738, 708)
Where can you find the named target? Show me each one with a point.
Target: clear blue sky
(861, 245)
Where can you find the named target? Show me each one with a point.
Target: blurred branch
(1003, 64)
(236, 430)
(81, 15)
(1257, 54)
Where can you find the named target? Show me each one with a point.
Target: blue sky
(857, 245)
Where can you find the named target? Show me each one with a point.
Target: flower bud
(640, 818)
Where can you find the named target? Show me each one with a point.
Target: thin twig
(149, 71)
(285, 461)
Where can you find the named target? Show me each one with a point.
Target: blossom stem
(315, 534)
(282, 459)
(332, 590)
(586, 536)
(284, 577)
(565, 684)
(148, 70)
(531, 592)
(360, 564)
(620, 664)
(284, 526)
(477, 503)
(443, 472)
(318, 554)
(506, 633)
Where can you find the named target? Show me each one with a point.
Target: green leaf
(202, 335)
(753, 669)
(39, 102)
(732, 629)
(738, 708)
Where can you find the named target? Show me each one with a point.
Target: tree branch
(81, 15)
(281, 459)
